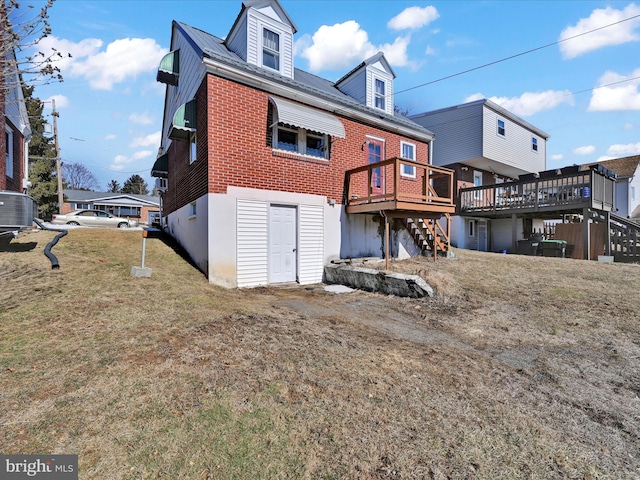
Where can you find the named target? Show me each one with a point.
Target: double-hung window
(408, 152)
(8, 141)
(501, 128)
(380, 93)
(270, 49)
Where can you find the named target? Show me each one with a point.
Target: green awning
(161, 166)
(184, 122)
(169, 69)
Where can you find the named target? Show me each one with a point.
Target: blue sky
(111, 106)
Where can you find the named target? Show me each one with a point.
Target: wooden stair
(429, 233)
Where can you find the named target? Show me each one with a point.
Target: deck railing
(399, 184)
(587, 188)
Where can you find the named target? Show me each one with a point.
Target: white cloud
(120, 162)
(604, 158)
(615, 35)
(586, 150)
(624, 150)
(529, 103)
(152, 139)
(556, 157)
(430, 51)
(61, 101)
(628, 126)
(413, 17)
(623, 96)
(474, 97)
(141, 118)
(110, 136)
(121, 60)
(353, 44)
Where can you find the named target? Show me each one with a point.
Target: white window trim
(477, 194)
(375, 95)
(504, 128)
(192, 210)
(9, 152)
(270, 28)
(534, 144)
(302, 142)
(193, 147)
(411, 167)
(472, 229)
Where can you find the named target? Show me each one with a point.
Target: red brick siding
(239, 150)
(14, 183)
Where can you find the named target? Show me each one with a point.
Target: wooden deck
(382, 186)
(587, 189)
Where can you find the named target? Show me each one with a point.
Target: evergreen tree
(113, 186)
(42, 155)
(135, 184)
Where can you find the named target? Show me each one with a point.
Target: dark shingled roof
(624, 167)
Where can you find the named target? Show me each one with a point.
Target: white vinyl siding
(311, 243)
(252, 243)
(355, 86)
(256, 23)
(514, 149)
(237, 42)
(458, 134)
(191, 75)
(374, 74)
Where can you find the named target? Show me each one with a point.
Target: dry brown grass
(520, 368)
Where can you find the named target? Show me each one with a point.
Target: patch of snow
(338, 289)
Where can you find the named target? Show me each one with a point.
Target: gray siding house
(485, 144)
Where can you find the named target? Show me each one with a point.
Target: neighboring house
(627, 193)
(266, 169)
(485, 144)
(143, 208)
(14, 122)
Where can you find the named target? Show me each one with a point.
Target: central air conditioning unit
(162, 184)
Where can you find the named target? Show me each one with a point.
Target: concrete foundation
(140, 272)
(373, 280)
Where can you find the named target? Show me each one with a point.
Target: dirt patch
(518, 368)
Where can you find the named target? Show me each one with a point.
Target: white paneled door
(282, 244)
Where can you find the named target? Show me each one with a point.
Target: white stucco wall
(191, 231)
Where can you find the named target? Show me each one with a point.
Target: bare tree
(22, 28)
(78, 177)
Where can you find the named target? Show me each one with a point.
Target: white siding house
(485, 144)
(485, 136)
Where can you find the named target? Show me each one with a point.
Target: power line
(515, 56)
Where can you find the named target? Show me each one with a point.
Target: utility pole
(55, 116)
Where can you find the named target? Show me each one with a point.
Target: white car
(92, 218)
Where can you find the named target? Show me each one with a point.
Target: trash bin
(553, 248)
(526, 247)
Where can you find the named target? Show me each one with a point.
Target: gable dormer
(262, 35)
(370, 83)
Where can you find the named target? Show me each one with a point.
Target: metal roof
(212, 47)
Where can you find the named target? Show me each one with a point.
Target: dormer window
(380, 94)
(270, 49)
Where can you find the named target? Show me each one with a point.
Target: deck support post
(607, 248)
(514, 233)
(586, 238)
(386, 240)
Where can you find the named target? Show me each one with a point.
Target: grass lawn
(520, 367)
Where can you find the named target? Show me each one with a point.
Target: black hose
(47, 250)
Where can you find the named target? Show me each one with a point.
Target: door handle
(294, 250)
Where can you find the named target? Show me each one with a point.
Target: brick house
(268, 172)
(14, 122)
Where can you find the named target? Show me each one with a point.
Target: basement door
(282, 244)
(482, 235)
